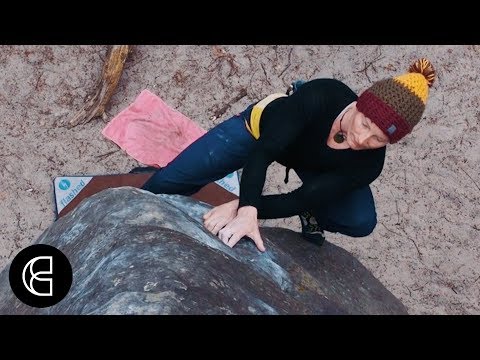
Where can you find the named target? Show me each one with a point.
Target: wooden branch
(223, 109)
(112, 71)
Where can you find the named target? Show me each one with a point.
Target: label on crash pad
(230, 183)
(67, 188)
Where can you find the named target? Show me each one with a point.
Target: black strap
(287, 170)
(289, 90)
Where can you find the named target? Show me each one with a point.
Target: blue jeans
(226, 148)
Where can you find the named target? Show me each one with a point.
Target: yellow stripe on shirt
(254, 126)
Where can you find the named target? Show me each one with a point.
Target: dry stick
(15, 238)
(266, 76)
(421, 287)
(460, 223)
(5, 167)
(112, 71)
(398, 213)
(221, 54)
(470, 178)
(289, 62)
(38, 80)
(15, 241)
(223, 109)
(104, 156)
(409, 238)
(251, 79)
(371, 63)
(276, 52)
(18, 221)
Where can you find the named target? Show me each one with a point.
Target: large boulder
(133, 252)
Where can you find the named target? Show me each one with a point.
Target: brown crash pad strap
(212, 193)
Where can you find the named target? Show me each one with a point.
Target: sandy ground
(425, 249)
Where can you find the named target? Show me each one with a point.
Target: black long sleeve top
(294, 132)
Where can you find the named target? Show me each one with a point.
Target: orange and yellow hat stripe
(416, 83)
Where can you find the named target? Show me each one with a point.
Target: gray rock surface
(133, 252)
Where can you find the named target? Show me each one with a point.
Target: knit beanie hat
(396, 105)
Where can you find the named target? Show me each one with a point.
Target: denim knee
(364, 227)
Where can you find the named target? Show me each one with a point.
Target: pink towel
(152, 132)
